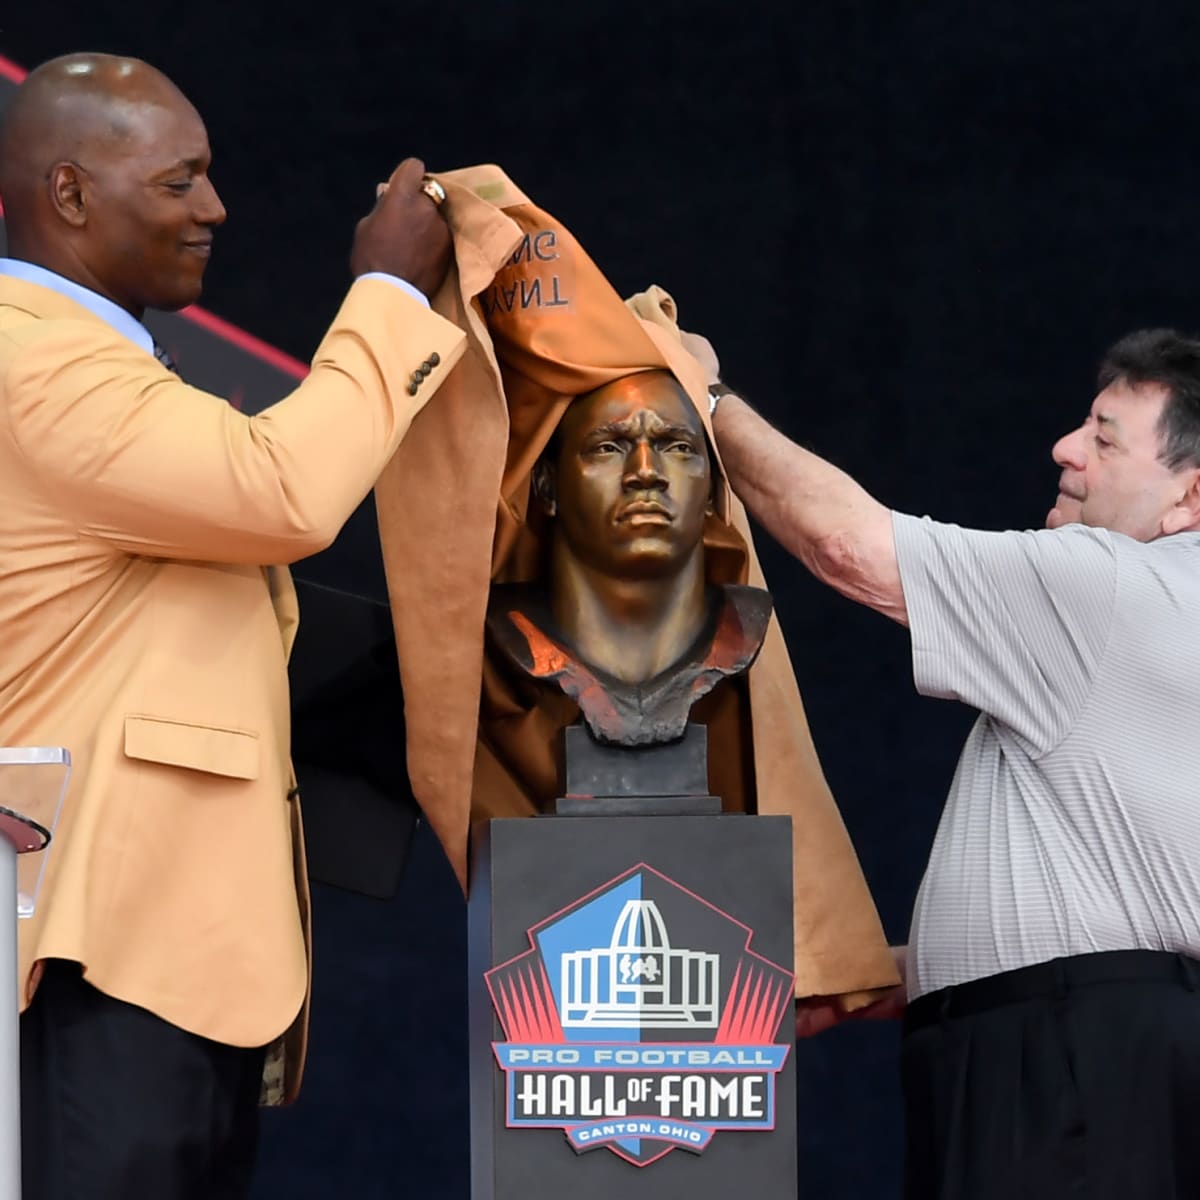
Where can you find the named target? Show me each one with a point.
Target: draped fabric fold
(543, 326)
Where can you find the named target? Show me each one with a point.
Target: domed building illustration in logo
(638, 981)
(641, 1021)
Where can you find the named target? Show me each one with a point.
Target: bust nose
(642, 469)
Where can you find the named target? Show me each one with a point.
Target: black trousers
(117, 1104)
(1074, 1078)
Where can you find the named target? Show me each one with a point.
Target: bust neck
(632, 629)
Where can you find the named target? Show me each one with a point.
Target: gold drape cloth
(543, 326)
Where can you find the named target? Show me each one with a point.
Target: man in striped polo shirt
(1052, 1033)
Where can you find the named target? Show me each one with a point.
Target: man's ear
(66, 185)
(544, 485)
(1184, 515)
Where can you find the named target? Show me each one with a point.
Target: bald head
(70, 109)
(101, 159)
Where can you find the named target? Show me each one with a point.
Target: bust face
(631, 482)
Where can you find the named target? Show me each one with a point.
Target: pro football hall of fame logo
(640, 1020)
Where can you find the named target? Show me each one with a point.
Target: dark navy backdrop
(909, 233)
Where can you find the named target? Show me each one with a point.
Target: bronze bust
(625, 625)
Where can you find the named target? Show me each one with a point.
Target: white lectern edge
(10, 1045)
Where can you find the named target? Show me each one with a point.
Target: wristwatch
(715, 392)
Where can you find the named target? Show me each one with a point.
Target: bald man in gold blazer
(146, 618)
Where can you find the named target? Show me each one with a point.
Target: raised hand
(404, 234)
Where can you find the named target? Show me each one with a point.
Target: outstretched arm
(813, 509)
(819, 1013)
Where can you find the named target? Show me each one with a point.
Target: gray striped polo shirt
(1073, 820)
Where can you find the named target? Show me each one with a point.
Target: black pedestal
(631, 1008)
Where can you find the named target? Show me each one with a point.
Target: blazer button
(435, 359)
(412, 389)
(426, 366)
(418, 377)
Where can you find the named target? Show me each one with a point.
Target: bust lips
(644, 512)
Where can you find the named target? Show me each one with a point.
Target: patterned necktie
(164, 358)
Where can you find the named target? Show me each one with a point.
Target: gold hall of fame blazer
(146, 626)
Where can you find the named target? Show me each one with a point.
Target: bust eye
(605, 448)
(179, 186)
(682, 448)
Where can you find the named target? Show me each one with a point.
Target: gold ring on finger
(433, 190)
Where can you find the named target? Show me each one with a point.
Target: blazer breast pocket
(230, 752)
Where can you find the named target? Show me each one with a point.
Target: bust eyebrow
(612, 429)
(684, 432)
(618, 429)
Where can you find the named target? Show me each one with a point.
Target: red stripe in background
(200, 316)
(246, 341)
(10, 70)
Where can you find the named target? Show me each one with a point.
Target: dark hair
(1172, 360)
